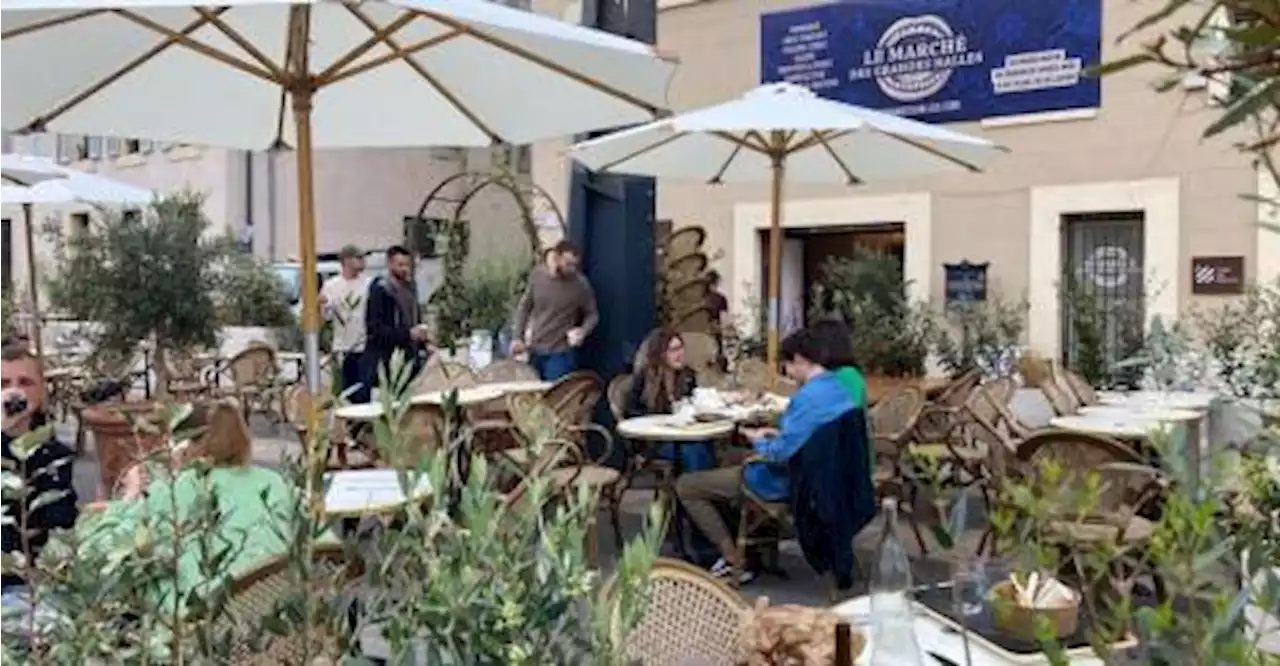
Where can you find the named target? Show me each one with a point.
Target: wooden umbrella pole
(775, 254)
(33, 287)
(307, 240)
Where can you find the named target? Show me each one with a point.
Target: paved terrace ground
(273, 443)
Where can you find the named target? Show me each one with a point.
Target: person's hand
(11, 419)
(575, 336)
(324, 300)
(757, 434)
(517, 347)
(418, 333)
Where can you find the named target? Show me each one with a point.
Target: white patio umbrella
(255, 74)
(31, 181)
(781, 133)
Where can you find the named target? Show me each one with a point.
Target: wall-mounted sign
(940, 60)
(1217, 275)
(965, 282)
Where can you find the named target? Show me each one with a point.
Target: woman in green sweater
(248, 506)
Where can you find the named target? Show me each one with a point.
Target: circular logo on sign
(911, 43)
(1108, 266)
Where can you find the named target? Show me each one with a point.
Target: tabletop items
(359, 492)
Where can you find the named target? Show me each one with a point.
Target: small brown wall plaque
(1217, 275)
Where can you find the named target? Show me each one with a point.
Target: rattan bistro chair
(258, 593)
(690, 617)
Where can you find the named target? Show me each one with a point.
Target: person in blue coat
(820, 359)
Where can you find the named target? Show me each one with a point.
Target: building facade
(1122, 191)
(362, 196)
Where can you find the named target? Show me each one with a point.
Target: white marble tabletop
(369, 411)
(1127, 426)
(1199, 400)
(526, 386)
(938, 638)
(1142, 412)
(668, 428)
(467, 397)
(360, 492)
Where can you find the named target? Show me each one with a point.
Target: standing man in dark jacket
(46, 469)
(556, 313)
(392, 316)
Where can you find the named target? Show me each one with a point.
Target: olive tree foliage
(149, 274)
(1235, 46)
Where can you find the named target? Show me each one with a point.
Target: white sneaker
(722, 570)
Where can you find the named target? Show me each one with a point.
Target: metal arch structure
(526, 196)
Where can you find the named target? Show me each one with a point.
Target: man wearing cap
(343, 299)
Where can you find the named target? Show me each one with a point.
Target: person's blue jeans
(554, 365)
(694, 456)
(355, 371)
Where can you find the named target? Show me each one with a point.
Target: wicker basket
(1019, 621)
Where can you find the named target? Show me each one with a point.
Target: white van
(290, 273)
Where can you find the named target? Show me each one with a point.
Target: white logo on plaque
(1108, 266)
(914, 58)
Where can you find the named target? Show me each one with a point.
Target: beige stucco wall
(1136, 137)
(362, 196)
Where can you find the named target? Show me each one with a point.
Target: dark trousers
(551, 366)
(357, 372)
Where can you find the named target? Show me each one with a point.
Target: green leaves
(1260, 97)
(141, 276)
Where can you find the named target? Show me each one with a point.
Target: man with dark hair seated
(820, 358)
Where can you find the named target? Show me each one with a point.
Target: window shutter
(93, 147)
(66, 148)
(113, 147)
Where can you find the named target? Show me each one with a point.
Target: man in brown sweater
(556, 313)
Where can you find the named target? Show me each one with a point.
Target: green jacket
(254, 504)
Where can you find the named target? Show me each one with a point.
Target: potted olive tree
(492, 288)
(252, 302)
(140, 275)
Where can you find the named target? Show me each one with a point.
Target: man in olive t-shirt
(556, 313)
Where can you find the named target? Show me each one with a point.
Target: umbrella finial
(781, 88)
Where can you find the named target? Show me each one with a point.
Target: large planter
(116, 439)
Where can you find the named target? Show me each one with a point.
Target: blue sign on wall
(940, 60)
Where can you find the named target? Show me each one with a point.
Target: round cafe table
(1141, 412)
(363, 412)
(1196, 400)
(467, 397)
(526, 386)
(664, 428)
(1109, 425)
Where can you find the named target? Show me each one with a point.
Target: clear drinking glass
(969, 587)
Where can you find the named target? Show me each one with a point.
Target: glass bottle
(894, 641)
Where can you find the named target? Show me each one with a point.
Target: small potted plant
(492, 288)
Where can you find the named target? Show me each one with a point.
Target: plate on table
(711, 417)
(761, 419)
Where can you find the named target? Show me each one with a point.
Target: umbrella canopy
(256, 74)
(40, 181)
(779, 124)
(24, 171)
(387, 73)
(781, 133)
(32, 181)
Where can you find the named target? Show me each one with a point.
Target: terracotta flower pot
(114, 438)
